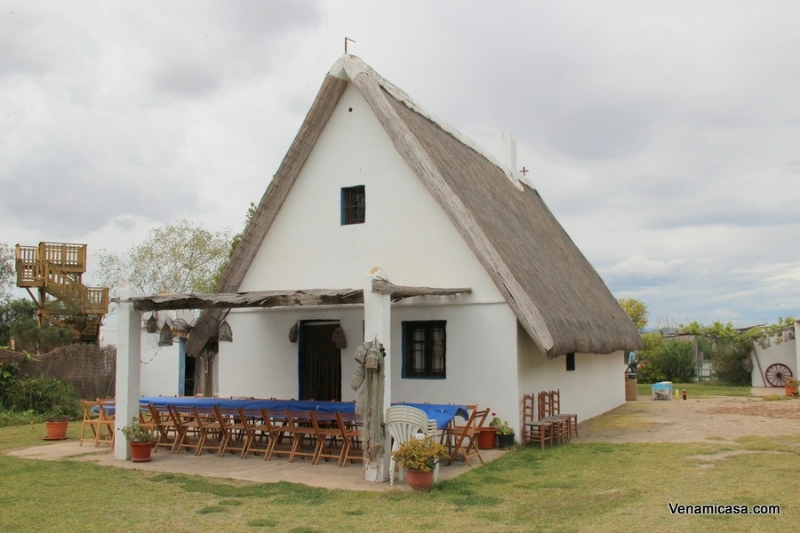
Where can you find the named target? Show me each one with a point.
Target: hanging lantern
(225, 333)
(151, 326)
(339, 338)
(293, 333)
(165, 338)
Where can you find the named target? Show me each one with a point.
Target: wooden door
(320, 362)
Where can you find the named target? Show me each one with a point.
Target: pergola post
(129, 339)
(378, 323)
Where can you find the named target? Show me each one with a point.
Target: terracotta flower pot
(486, 438)
(791, 390)
(140, 451)
(420, 480)
(56, 430)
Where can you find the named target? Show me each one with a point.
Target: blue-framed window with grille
(425, 349)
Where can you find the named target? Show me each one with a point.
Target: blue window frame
(425, 349)
(354, 205)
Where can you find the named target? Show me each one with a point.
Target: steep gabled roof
(555, 293)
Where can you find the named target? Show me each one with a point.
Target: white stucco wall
(481, 348)
(160, 365)
(596, 386)
(785, 353)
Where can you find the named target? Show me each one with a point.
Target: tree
(13, 312)
(176, 258)
(636, 310)
(6, 270)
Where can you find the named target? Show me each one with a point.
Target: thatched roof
(555, 293)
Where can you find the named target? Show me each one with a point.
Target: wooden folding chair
(167, 434)
(328, 435)
(277, 426)
(351, 436)
(255, 432)
(91, 422)
(106, 423)
(210, 430)
(572, 418)
(188, 426)
(535, 430)
(300, 426)
(466, 439)
(232, 428)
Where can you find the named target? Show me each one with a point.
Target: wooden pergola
(376, 297)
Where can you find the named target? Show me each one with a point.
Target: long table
(442, 413)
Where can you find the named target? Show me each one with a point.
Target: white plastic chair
(404, 423)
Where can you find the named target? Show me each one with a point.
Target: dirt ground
(694, 420)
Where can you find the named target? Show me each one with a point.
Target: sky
(664, 136)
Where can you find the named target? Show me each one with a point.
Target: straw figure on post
(369, 405)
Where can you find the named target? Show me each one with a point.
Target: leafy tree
(13, 312)
(666, 360)
(6, 270)
(636, 310)
(176, 258)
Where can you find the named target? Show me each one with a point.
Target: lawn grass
(700, 390)
(575, 487)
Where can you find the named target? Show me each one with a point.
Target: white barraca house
(490, 298)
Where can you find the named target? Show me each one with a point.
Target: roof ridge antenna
(345, 43)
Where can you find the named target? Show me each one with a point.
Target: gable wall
(406, 232)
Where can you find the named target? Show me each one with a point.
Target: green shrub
(43, 395)
(666, 360)
(729, 362)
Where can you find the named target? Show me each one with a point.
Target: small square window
(354, 205)
(570, 362)
(424, 349)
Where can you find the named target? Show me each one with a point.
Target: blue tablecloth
(442, 413)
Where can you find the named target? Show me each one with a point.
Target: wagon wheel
(776, 374)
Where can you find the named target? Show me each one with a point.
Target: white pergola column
(129, 339)
(378, 323)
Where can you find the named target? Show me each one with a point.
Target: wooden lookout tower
(56, 270)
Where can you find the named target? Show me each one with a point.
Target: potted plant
(141, 440)
(56, 426)
(418, 457)
(505, 433)
(790, 386)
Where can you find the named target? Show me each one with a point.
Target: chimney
(510, 151)
(510, 161)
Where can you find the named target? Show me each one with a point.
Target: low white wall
(785, 353)
(596, 386)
